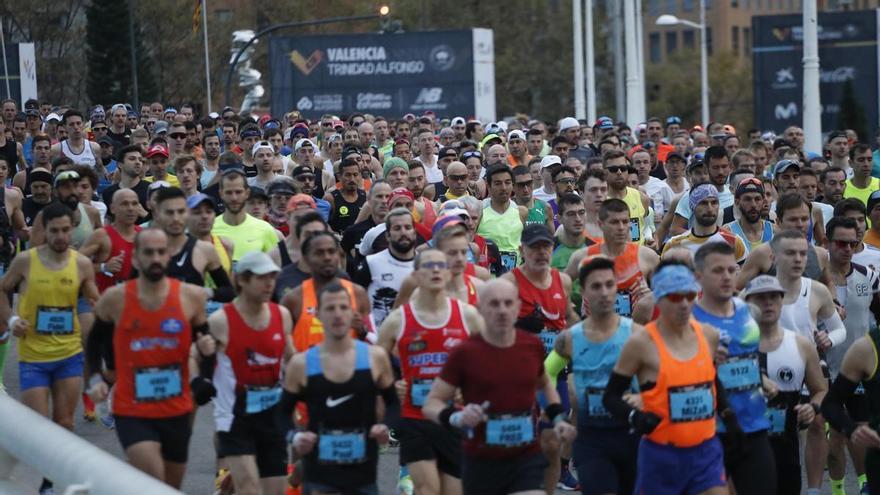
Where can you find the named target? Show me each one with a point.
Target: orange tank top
(152, 352)
(629, 276)
(308, 330)
(684, 396)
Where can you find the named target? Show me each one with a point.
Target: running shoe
(88, 409)
(223, 482)
(864, 490)
(405, 484)
(567, 481)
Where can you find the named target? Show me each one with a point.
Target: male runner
(295, 272)
(633, 262)
(49, 279)
(749, 465)
(202, 213)
(790, 361)
(616, 166)
(544, 310)
(143, 330)
(539, 211)
(339, 381)
(750, 227)
(501, 452)
(421, 334)
(605, 448)
(111, 246)
(502, 219)
(253, 344)
(77, 147)
(594, 189)
(346, 201)
(246, 232)
(704, 229)
(320, 252)
(673, 362)
(572, 237)
(856, 289)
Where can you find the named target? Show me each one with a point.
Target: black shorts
(503, 476)
(256, 435)
(606, 457)
(422, 440)
(857, 408)
(172, 434)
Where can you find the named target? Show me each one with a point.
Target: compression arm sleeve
(392, 405)
(206, 363)
(96, 345)
(284, 413)
(832, 407)
(720, 396)
(554, 364)
(834, 327)
(613, 398)
(224, 291)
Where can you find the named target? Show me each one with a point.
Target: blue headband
(701, 193)
(673, 279)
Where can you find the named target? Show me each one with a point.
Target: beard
(71, 202)
(154, 272)
(707, 220)
(402, 245)
(752, 215)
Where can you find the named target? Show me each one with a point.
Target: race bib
(418, 391)
(776, 417)
(508, 260)
(740, 373)
(623, 303)
(510, 430)
(548, 338)
(258, 399)
(691, 403)
(595, 408)
(54, 320)
(635, 232)
(212, 306)
(342, 446)
(153, 384)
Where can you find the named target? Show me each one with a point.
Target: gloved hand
(642, 422)
(202, 390)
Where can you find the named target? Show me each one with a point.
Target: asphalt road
(199, 478)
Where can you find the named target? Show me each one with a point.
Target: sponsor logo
(429, 99)
(417, 346)
(171, 325)
(785, 112)
(335, 402)
(306, 65)
(838, 75)
(320, 103)
(373, 101)
(148, 344)
(442, 57)
(784, 79)
(825, 33)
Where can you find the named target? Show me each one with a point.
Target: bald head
(125, 207)
(121, 195)
(456, 168)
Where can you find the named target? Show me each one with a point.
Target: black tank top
(181, 267)
(7, 236)
(342, 415)
(345, 213)
(9, 152)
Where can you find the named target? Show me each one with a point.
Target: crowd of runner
(520, 306)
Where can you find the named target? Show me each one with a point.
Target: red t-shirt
(507, 378)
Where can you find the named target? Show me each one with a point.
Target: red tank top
(471, 289)
(255, 355)
(549, 306)
(423, 351)
(152, 352)
(470, 269)
(118, 245)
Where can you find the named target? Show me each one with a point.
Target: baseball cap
(489, 139)
(299, 130)
(259, 145)
(170, 110)
(447, 151)
(605, 123)
(672, 120)
(298, 200)
(195, 200)
(457, 121)
(302, 142)
(873, 200)
(747, 185)
(258, 192)
(159, 184)
(157, 149)
(301, 170)
(65, 176)
(783, 165)
(161, 127)
(31, 104)
(280, 187)
(252, 132)
(550, 160)
(568, 123)
(729, 129)
(31, 112)
(694, 163)
(762, 284)
(675, 155)
(493, 128)
(536, 233)
(256, 262)
(444, 222)
(53, 116)
(105, 140)
(516, 134)
(214, 115)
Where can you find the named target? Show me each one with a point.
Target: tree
(107, 55)
(852, 115)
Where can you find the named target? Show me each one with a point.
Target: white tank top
(785, 365)
(86, 157)
(796, 315)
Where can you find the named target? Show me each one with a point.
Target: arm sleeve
(554, 364)
(835, 328)
(362, 275)
(284, 414)
(96, 346)
(392, 405)
(613, 398)
(832, 407)
(720, 396)
(224, 291)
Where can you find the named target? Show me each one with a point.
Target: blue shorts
(668, 470)
(83, 306)
(32, 375)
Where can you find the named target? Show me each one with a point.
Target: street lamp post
(383, 12)
(671, 20)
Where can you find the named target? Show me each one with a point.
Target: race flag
(197, 17)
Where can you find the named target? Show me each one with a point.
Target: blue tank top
(766, 235)
(741, 373)
(591, 366)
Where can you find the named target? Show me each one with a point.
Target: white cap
(568, 123)
(516, 134)
(262, 145)
(550, 160)
(256, 262)
(53, 116)
(366, 246)
(214, 115)
(302, 142)
(457, 121)
(502, 124)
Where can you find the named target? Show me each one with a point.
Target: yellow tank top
(225, 260)
(49, 306)
(637, 213)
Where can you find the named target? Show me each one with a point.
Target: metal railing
(63, 457)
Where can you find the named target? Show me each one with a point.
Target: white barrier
(64, 458)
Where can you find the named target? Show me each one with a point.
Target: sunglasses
(434, 265)
(616, 169)
(677, 298)
(469, 154)
(305, 177)
(523, 184)
(751, 181)
(567, 181)
(457, 177)
(67, 175)
(844, 244)
(99, 129)
(177, 135)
